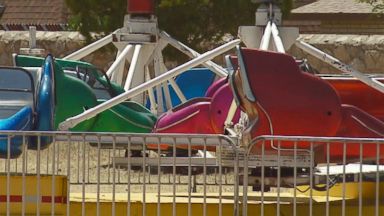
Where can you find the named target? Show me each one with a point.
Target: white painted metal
(143, 31)
(83, 52)
(113, 76)
(167, 95)
(170, 161)
(266, 37)
(271, 29)
(32, 49)
(32, 37)
(151, 95)
(139, 75)
(162, 90)
(277, 39)
(73, 121)
(220, 71)
(117, 76)
(133, 66)
(119, 60)
(8, 172)
(140, 24)
(266, 12)
(160, 99)
(160, 46)
(289, 35)
(159, 89)
(353, 168)
(231, 113)
(38, 173)
(178, 91)
(251, 36)
(339, 65)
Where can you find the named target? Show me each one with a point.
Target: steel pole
(336, 63)
(276, 38)
(83, 52)
(151, 95)
(264, 44)
(132, 67)
(220, 71)
(178, 91)
(119, 60)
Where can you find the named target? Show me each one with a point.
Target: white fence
(169, 174)
(316, 176)
(118, 168)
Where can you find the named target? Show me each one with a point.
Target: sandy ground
(87, 171)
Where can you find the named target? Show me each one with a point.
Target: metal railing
(169, 174)
(314, 176)
(114, 174)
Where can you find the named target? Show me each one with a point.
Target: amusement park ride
(262, 91)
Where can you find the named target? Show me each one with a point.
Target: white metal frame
(73, 121)
(336, 63)
(140, 50)
(141, 43)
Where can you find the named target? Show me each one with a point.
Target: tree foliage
(190, 21)
(378, 5)
(99, 16)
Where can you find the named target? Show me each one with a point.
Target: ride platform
(358, 197)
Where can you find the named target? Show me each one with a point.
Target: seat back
(16, 90)
(193, 83)
(219, 108)
(289, 101)
(354, 92)
(73, 96)
(215, 86)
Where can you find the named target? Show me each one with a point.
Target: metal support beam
(32, 37)
(178, 91)
(157, 70)
(81, 53)
(119, 60)
(132, 68)
(113, 77)
(276, 38)
(231, 114)
(265, 40)
(151, 95)
(163, 89)
(117, 76)
(167, 95)
(336, 63)
(73, 121)
(220, 71)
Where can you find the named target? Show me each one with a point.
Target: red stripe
(44, 199)
(3, 198)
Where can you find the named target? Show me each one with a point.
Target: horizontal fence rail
(174, 174)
